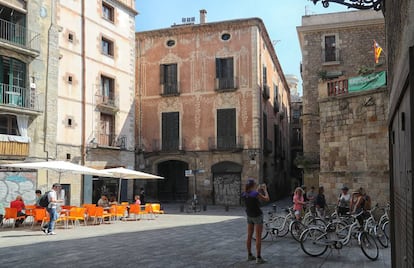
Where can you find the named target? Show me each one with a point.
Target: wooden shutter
(219, 70)
(226, 128)
(170, 131)
(162, 66)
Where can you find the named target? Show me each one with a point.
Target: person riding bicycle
(252, 197)
(358, 204)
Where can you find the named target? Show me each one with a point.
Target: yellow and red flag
(377, 51)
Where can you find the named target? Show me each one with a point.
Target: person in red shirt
(19, 205)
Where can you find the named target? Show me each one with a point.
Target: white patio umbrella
(125, 173)
(58, 166)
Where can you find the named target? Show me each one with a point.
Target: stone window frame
(225, 33)
(111, 48)
(170, 40)
(337, 49)
(110, 7)
(71, 36)
(69, 121)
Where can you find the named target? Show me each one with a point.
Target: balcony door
(107, 130)
(12, 81)
(226, 128)
(170, 131)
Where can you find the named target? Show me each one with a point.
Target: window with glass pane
(8, 125)
(107, 47)
(107, 11)
(330, 48)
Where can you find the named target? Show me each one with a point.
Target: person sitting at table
(19, 205)
(103, 201)
(137, 200)
(38, 196)
(112, 201)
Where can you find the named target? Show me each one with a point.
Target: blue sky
(280, 18)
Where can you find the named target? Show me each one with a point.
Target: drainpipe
(83, 87)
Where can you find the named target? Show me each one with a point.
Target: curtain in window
(22, 122)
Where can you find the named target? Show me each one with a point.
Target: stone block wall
(354, 144)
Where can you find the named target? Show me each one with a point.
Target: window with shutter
(170, 131)
(225, 73)
(226, 128)
(168, 78)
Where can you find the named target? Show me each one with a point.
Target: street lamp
(358, 4)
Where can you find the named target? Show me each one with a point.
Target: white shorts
(297, 212)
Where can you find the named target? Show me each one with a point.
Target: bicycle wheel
(313, 242)
(368, 245)
(386, 228)
(197, 207)
(265, 231)
(339, 228)
(280, 225)
(296, 228)
(380, 235)
(318, 222)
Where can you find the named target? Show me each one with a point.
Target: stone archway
(226, 183)
(174, 186)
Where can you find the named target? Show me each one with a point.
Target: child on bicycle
(252, 197)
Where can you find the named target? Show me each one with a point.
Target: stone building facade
(399, 20)
(345, 133)
(95, 103)
(211, 99)
(296, 139)
(29, 62)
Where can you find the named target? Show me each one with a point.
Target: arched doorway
(227, 183)
(174, 186)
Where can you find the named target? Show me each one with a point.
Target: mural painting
(13, 184)
(227, 189)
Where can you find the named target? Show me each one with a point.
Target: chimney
(203, 13)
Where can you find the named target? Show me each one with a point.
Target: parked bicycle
(374, 228)
(315, 241)
(193, 205)
(311, 218)
(276, 225)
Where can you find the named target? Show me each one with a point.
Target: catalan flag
(377, 51)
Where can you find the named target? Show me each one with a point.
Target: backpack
(367, 202)
(44, 200)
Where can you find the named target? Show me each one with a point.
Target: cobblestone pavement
(212, 238)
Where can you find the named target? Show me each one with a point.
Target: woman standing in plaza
(252, 197)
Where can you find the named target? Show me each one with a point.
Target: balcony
(169, 146)
(17, 98)
(170, 89)
(337, 87)
(268, 147)
(11, 148)
(112, 140)
(225, 143)
(224, 84)
(19, 38)
(266, 92)
(107, 103)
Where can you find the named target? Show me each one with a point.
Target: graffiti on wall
(227, 189)
(13, 184)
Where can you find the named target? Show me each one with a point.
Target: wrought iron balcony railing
(15, 96)
(112, 140)
(18, 35)
(225, 143)
(266, 92)
(170, 89)
(226, 84)
(109, 101)
(168, 145)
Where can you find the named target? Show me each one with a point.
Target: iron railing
(15, 96)
(266, 92)
(170, 89)
(18, 35)
(110, 100)
(112, 140)
(168, 145)
(225, 143)
(226, 83)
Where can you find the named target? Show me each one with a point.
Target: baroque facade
(212, 100)
(344, 127)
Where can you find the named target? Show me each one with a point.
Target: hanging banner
(367, 82)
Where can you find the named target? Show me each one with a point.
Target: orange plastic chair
(120, 212)
(156, 208)
(76, 215)
(39, 214)
(29, 211)
(11, 214)
(148, 211)
(124, 203)
(135, 210)
(100, 215)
